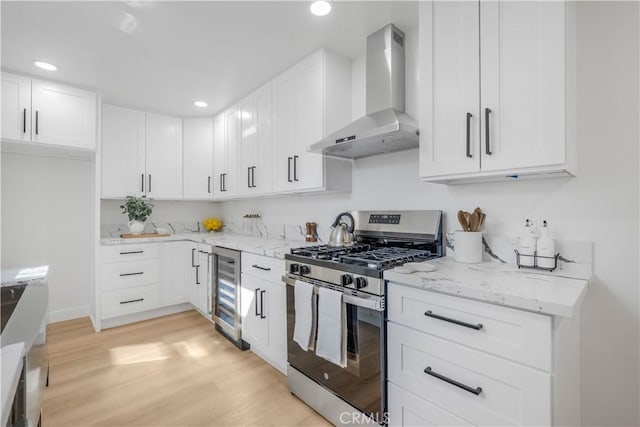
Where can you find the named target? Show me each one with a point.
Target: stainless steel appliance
(384, 239)
(24, 306)
(386, 127)
(226, 295)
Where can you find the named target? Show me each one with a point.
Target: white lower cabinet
(130, 279)
(177, 272)
(203, 281)
(263, 308)
(455, 361)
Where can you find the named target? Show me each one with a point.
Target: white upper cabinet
(226, 147)
(494, 93)
(310, 100)
(123, 152)
(16, 107)
(197, 162)
(164, 157)
(256, 143)
(47, 113)
(219, 152)
(141, 154)
(523, 84)
(450, 125)
(62, 115)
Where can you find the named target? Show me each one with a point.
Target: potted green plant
(138, 210)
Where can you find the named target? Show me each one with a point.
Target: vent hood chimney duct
(386, 127)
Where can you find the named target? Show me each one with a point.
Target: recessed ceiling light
(320, 8)
(45, 66)
(200, 104)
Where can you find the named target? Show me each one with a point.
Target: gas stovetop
(363, 255)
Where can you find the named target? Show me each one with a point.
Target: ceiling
(162, 56)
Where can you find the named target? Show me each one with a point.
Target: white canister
(468, 246)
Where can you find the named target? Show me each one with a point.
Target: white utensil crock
(468, 247)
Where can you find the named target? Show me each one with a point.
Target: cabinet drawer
(131, 252)
(513, 334)
(128, 301)
(121, 275)
(263, 267)
(408, 410)
(499, 392)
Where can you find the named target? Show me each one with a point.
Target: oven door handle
(373, 303)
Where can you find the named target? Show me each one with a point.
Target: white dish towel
(304, 330)
(332, 327)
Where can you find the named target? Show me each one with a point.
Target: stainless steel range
(356, 393)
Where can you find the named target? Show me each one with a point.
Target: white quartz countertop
(13, 275)
(499, 284)
(12, 360)
(275, 248)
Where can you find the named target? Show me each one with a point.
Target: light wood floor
(172, 371)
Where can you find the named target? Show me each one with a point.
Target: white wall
(47, 214)
(600, 205)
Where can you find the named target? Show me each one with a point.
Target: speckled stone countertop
(499, 284)
(275, 248)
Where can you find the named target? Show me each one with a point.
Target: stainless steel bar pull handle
(149, 183)
(260, 267)
(131, 274)
(36, 122)
(193, 253)
(457, 322)
(295, 167)
(209, 184)
(448, 380)
(289, 169)
(469, 115)
(487, 141)
(197, 274)
(249, 177)
(253, 176)
(142, 183)
(24, 121)
(131, 252)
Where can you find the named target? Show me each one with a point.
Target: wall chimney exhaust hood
(385, 128)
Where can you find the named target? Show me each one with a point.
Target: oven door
(361, 383)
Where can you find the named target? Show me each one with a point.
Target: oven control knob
(346, 279)
(361, 282)
(294, 268)
(304, 269)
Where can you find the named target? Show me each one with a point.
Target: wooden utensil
(467, 217)
(462, 219)
(474, 222)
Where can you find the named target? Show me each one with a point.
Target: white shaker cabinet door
(284, 118)
(248, 144)
(262, 177)
(449, 88)
(164, 157)
(177, 273)
(255, 328)
(198, 159)
(309, 124)
(123, 152)
(523, 84)
(219, 153)
(63, 115)
(16, 107)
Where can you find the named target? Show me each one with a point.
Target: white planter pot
(136, 227)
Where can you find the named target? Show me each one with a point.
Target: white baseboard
(145, 315)
(68, 314)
